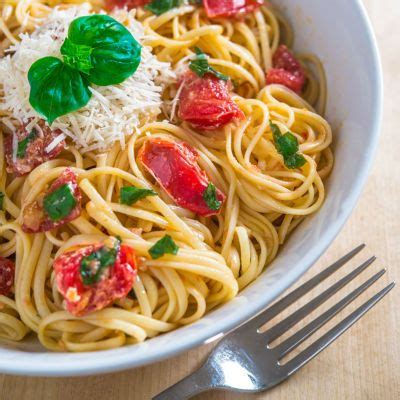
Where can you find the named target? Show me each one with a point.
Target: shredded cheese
(113, 112)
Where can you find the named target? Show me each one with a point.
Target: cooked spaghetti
(163, 195)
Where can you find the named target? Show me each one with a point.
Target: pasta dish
(155, 155)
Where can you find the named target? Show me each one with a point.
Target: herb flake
(159, 7)
(93, 265)
(131, 194)
(200, 66)
(166, 245)
(59, 203)
(210, 197)
(23, 144)
(1, 201)
(288, 147)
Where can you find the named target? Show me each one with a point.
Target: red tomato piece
(115, 282)
(35, 152)
(174, 166)
(230, 8)
(206, 102)
(111, 4)
(34, 216)
(287, 70)
(7, 270)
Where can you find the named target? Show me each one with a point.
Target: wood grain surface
(365, 362)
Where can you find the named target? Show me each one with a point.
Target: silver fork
(244, 361)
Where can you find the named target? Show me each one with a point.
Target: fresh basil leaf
(159, 7)
(1, 200)
(59, 203)
(200, 66)
(93, 265)
(295, 161)
(23, 144)
(288, 146)
(210, 197)
(102, 48)
(166, 245)
(77, 56)
(56, 88)
(131, 194)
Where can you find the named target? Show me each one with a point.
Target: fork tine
(319, 345)
(299, 337)
(296, 294)
(302, 312)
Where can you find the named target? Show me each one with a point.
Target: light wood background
(365, 362)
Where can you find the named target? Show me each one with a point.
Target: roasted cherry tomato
(7, 271)
(174, 166)
(90, 277)
(60, 204)
(286, 70)
(206, 103)
(31, 148)
(230, 8)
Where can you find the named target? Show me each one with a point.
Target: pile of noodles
(218, 256)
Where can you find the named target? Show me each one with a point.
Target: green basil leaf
(288, 146)
(93, 265)
(131, 194)
(210, 197)
(23, 144)
(295, 161)
(159, 7)
(59, 203)
(200, 66)
(77, 56)
(1, 200)
(102, 48)
(56, 88)
(166, 245)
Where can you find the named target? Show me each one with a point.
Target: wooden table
(365, 362)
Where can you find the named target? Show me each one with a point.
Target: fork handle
(198, 382)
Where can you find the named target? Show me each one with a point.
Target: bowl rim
(96, 364)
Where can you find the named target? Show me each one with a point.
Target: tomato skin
(111, 4)
(206, 103)
(35, 154)
(230, 8)
(36, 220)
(174, 166)
(7, 271)
(115, 283)
(287, 70)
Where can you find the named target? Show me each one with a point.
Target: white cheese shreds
(113, 112)
(56, 141)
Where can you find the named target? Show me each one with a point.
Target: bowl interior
(354, 110)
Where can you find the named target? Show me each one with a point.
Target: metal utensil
(244, 361)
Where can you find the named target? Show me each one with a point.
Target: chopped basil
(59, 203)
(131, 194)
(159, 7)
(210, 197)
(166, 245)
(200, 66)
(1, 200)
(23, 144)
(93, 265)
(288, 146)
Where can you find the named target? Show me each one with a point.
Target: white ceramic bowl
(339, 32)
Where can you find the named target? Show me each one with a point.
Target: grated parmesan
(113, 112)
